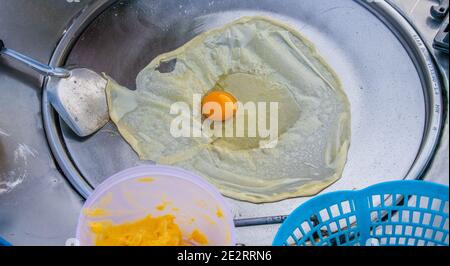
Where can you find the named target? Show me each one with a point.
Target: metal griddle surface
(390, 105)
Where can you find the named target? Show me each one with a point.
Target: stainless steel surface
(37, 204)
(43, 208)
(80, 100)
(37, 66)
(397, 111)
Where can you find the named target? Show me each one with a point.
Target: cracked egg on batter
(253, 59)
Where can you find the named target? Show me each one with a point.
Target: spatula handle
(37, 66)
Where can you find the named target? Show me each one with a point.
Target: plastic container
(399, 213)
(158, 190)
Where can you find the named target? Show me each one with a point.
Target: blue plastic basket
(4, 243)
(399, 213)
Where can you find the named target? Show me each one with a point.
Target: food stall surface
(38, 206)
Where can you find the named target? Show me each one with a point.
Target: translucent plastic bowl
(159, 190)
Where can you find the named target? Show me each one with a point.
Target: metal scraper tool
(78, 94)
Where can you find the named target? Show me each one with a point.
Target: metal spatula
(78, 94)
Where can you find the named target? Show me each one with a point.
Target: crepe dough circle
(258, 59)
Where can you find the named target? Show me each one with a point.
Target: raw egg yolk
(219, 99)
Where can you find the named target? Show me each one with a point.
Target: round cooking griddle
(389, 76)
